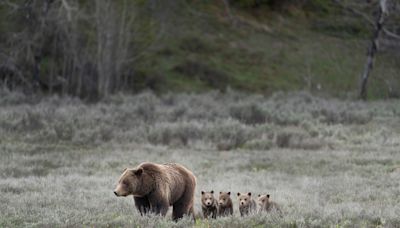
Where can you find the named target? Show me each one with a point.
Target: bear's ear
(138, 171)
(229, 193)
(268, 196)
(249, 193)
(259, 195)
(202, 192)
(238, 194)
(212, 191)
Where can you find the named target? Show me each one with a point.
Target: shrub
(297, 139)
(175, 134)
(229, 135)
(247, 113)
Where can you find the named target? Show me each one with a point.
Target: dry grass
(327, 162)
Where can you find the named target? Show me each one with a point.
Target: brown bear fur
(246, 204)
(155, 187)
(225, 206)
(209, 204)
(265, 204)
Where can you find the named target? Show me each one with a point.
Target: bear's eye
(245, 199)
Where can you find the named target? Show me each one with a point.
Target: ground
(327, 162)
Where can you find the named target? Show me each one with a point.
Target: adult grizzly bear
(155, 187)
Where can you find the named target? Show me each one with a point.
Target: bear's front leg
(230, 211)
(214, 213)
(159, 207)
(142, 204)
(205, 212)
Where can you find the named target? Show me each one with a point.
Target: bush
(229, 135)
(297, 139)
(174, 134)
(248, 113)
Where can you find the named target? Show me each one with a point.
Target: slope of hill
(264, 51)
(191, 46)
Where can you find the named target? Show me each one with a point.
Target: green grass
(61, 158)
(295, 55)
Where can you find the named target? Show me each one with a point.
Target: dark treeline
(91, 48)
(83, 48)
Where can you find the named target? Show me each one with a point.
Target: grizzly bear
(225, 206)
(209, 204)
(266, 204)
(246, 204)
(155, 187)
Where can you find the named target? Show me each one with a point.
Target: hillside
(293, 52)
(181, 46)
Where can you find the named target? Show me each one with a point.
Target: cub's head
(262, 200)
(130, 182)
(224, 198)
(207, 198)
(244, 199)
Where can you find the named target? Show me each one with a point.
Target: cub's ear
(259, 195)
(212, 191)
(202, 192)
(238, 194)
(267, 196)
(138, 171)
(229, 193)
(249, 193)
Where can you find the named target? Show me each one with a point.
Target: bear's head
(207, 198)
(133, 182)
(262, 200)
(224, 198)
(244, 199)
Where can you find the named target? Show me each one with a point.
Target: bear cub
(225, 206)
(246, 204)
(266, 204)
(209, 204)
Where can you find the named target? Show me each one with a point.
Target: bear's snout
(115, 193)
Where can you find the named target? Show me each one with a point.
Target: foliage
(61, 158)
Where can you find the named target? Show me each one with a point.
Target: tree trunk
(229, 12)
(373, 48)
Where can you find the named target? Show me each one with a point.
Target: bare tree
(373, 48)
(72, 46)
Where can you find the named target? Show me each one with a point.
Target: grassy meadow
(327, 162)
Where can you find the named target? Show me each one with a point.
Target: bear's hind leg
(183, 206)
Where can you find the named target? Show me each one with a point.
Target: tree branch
(367, 19)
